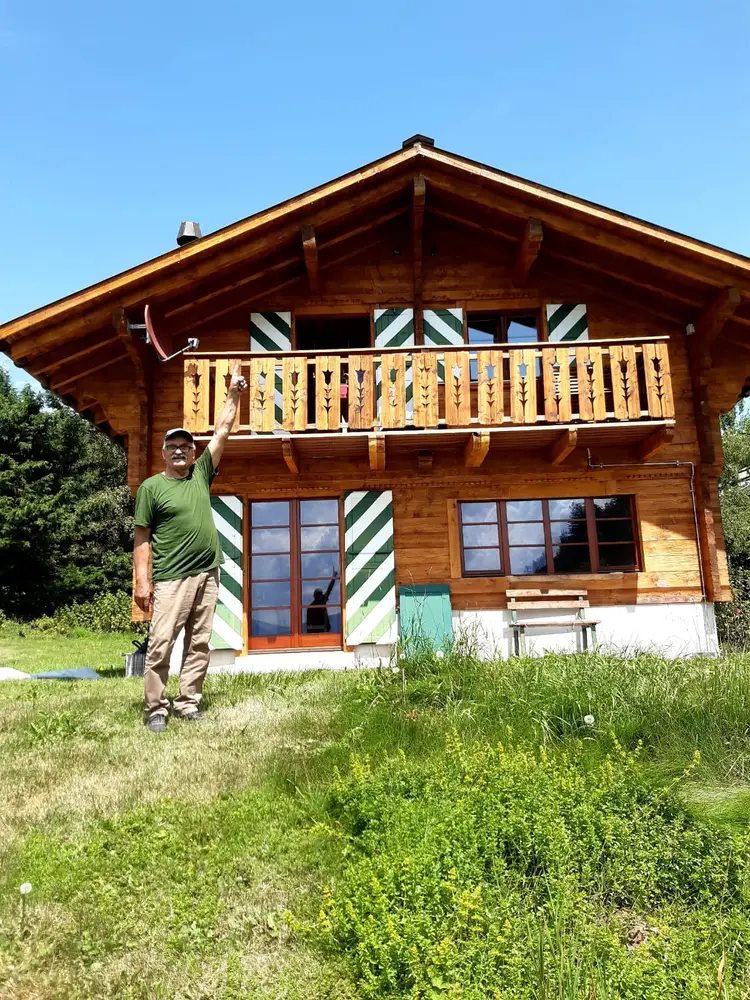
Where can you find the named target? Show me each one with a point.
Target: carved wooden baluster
(523, 386)
(551, 369)
(591, 400)
(294, 394)
(490, 387)
(224, 369)
(425, 397)
(328, 393)
(393, 413)
(658, 381)
(262, 394)
(195, 395)
(625, 396)
(361, 395)
(457, 389)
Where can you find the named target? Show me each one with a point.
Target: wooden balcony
(422, 396)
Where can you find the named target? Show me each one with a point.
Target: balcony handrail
(440, 348)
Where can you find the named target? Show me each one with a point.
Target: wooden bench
(543, 600)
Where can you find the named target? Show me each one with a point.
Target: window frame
(593, 542)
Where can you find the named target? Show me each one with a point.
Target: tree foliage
(65, 511)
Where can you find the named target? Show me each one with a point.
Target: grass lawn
(458, 831)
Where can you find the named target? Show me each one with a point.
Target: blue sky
(117, 121)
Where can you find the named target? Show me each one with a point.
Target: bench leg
(516, 642)
(523, 641)
(585, 637)
(593, 638)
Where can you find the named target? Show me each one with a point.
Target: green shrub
(106, 613)
(508, 872)
(733, 617)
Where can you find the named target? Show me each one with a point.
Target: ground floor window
(529, 537)
(295, 573)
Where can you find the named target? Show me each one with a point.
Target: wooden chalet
(466, 390)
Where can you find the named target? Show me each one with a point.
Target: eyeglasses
(172, 448)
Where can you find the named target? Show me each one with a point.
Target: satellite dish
(158, 335)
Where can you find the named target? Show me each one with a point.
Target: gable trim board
(272, 332)
(369, 568)
(227, 633)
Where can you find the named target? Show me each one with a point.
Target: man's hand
(238, 383)
(144, 595)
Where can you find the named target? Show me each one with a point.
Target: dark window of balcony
(502, 328)
(316, 334)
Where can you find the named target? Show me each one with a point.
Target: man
(174, 530)
(317, 612)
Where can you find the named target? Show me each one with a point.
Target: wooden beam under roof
(310, 252)
(476, 450)
(291, 458)
(563, 447)
(376, 451)
(528, 251)
(655, 443)
(711, 322)
(57, 386)
(52, 360)
(417, 226)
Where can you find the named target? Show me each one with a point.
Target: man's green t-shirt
(184, 539)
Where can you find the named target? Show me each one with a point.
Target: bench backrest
(524, 600)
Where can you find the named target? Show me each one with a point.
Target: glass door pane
(319, 584)
(270, 569)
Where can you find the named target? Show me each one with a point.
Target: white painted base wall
(672, 630)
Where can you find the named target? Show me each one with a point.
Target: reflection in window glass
(267, 622)
(308, 588)
(616, 555)
(322, 537)
(270, 540)
(569, 531)
(270, 514)
(524, 562)
(571, 559)
(567, 510)
(482, 560)
(526, 534)
(480, 534)
(319, 565)
(612, 507)
(319, 512)
(270, 595)
(319, 621)
(614, 531)
(478, 512)
(270, 567)
(521, 330)
(523, 510)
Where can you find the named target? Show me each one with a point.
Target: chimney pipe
(189, 231)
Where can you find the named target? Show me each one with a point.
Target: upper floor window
(529, 537)
(502, 328)
(314, 334)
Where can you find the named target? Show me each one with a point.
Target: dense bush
(109, 612)
(506, 872)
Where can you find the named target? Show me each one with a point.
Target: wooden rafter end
(376, 451)
(563, 447)
(310, 251)
(291, 457)
(655, 443)
(528, 251)
(476, 449)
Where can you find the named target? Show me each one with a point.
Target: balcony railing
(433, 388)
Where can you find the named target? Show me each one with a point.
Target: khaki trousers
(179, 604)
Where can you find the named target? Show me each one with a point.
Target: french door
(295, 574)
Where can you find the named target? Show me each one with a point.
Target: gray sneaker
(193, 717)
(156, 724)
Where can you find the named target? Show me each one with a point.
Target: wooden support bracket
(528, 251)
(291, 457)
(310, 251)
(711, 322)
(476, 449)
(563, 447)
(419, 195)
(654, 443)
(57, 386)
(376, 451)
(424, 461)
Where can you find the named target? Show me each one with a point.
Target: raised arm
(225, 422)
(330, 585)
(144, 587)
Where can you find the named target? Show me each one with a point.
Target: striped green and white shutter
(272, 332)
(369, 573)
(227, 513)
(568, 323)
(443, 327)
(394, 328)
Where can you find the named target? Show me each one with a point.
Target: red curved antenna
(161, 341)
